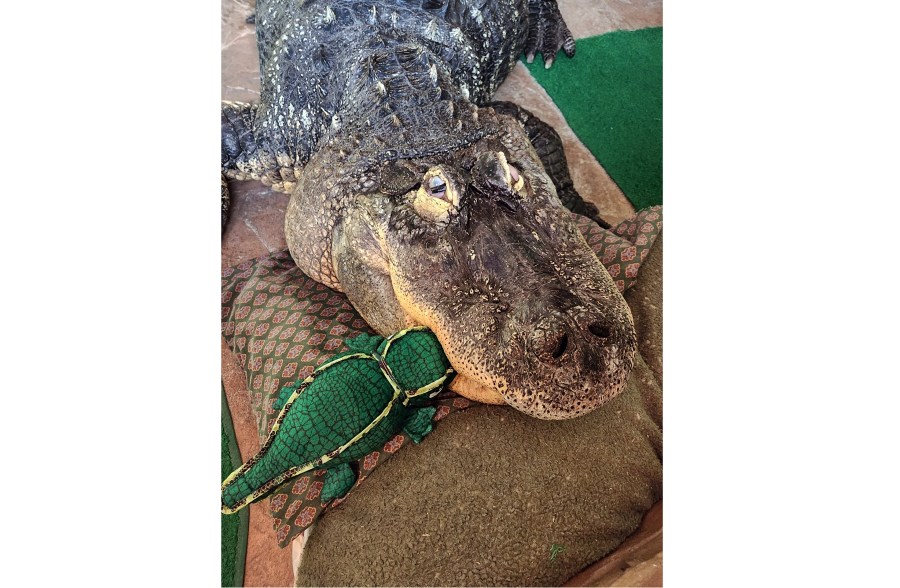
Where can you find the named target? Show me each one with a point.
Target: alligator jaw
(474, 391)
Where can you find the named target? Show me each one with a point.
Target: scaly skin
(349, 407)
(425, 204)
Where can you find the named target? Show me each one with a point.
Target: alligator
(428, 204)
(350, 406)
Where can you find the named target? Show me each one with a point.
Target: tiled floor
(257, 217)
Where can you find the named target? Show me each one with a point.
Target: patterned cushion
(281, 325)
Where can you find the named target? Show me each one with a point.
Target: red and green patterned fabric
(281, 325)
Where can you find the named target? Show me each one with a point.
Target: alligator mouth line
(475, 391)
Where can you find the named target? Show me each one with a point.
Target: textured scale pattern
(348, 408)
(327, 64)
(282, 325)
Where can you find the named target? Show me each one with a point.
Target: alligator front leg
(549, 147)
(247, 155)
(547, 32)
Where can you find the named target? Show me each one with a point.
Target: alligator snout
(558, 337)
(581, 353)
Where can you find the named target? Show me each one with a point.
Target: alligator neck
(402, 101)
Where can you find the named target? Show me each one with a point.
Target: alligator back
(311, 52)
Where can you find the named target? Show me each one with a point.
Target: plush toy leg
(338, 481)
(419, 424)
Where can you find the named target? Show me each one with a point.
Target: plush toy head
(417, 363)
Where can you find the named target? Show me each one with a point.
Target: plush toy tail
(252, 481)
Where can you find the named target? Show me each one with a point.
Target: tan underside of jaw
(475, 391)
(462, 385)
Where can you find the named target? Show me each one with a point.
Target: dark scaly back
(319, 60)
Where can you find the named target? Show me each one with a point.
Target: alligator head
(474, 243)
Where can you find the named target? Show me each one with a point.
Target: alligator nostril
(600, 331)
(560, 347)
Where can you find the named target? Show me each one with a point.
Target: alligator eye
(436, 197)
(437, 187)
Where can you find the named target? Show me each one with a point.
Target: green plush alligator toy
(349, 407)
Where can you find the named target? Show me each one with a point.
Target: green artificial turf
(611, 96)
(234, 526)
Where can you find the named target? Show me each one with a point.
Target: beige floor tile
(256, 224)
(587, 18)
(240, 61)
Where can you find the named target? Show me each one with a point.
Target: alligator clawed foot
(547, 32)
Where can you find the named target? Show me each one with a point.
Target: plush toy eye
(437, 187)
